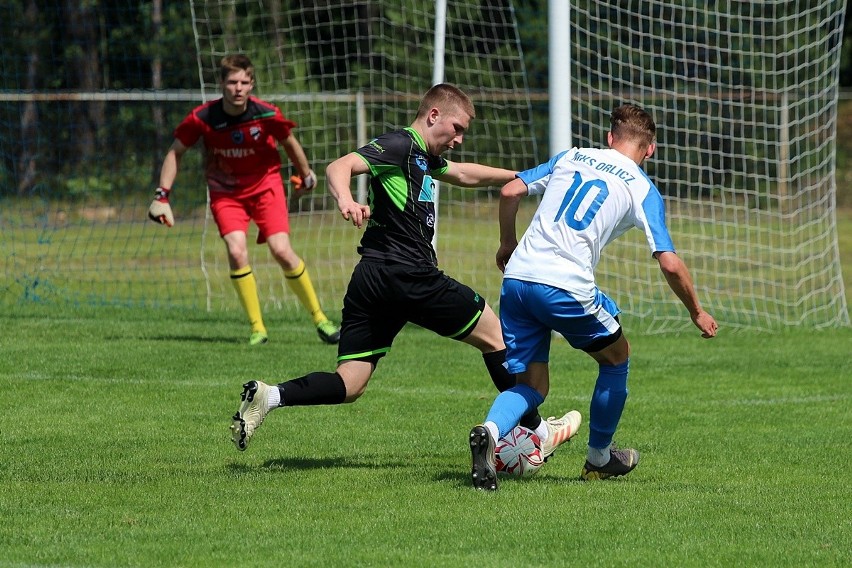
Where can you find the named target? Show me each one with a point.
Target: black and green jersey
(402, 200)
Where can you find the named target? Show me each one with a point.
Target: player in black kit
(397, 280)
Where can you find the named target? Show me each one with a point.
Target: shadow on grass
(462, 479)
(197, 339)
(302, 463)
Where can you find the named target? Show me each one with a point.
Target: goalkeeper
(397, 280)
(243, 167)
(590, 196)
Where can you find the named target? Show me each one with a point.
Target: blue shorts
(530, 312)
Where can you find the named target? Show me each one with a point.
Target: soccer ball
(518, 453)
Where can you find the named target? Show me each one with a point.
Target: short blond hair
(446, 98)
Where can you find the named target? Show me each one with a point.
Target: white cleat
(252, 412)
(560, 430)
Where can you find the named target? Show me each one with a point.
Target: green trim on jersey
(422, 143)
(392, 179)
(417, 138)
(395, 183)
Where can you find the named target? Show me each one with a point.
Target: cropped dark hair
(236, 62)
(630, 122)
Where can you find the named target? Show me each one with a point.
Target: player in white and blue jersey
(589, 198)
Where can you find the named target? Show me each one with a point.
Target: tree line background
(67, 46)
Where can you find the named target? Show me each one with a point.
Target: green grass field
(115, 452)
(114, 448)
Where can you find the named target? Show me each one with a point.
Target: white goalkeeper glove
(303, 184)
(160, 211)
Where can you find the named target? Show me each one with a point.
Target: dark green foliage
(112, 45)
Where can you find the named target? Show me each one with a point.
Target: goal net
(348, 71)
(744, 95)
(745, 98)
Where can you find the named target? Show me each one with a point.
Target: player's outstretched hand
(706, 324)
(160, 211)
(353, 211)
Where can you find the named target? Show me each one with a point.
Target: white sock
(598, 457)
(492, 429)
(274, 397)
(542, 431)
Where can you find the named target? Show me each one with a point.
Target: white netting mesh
(349, 71)
(744, 94)
(745, 97)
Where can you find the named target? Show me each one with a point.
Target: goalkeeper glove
(306, 183)
(160, 211)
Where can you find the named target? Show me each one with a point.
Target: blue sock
(510, 405)
(607, 403)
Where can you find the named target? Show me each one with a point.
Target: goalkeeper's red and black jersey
(241, 152)
(402, 199)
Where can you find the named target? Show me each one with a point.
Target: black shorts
(383, 297)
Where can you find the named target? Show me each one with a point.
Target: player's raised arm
(339, 175)
(680, 281)
(466, 174)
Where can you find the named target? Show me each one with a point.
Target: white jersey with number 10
(590, 197)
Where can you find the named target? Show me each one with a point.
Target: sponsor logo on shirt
(237, 136)
(234, 152)
(427, 190)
